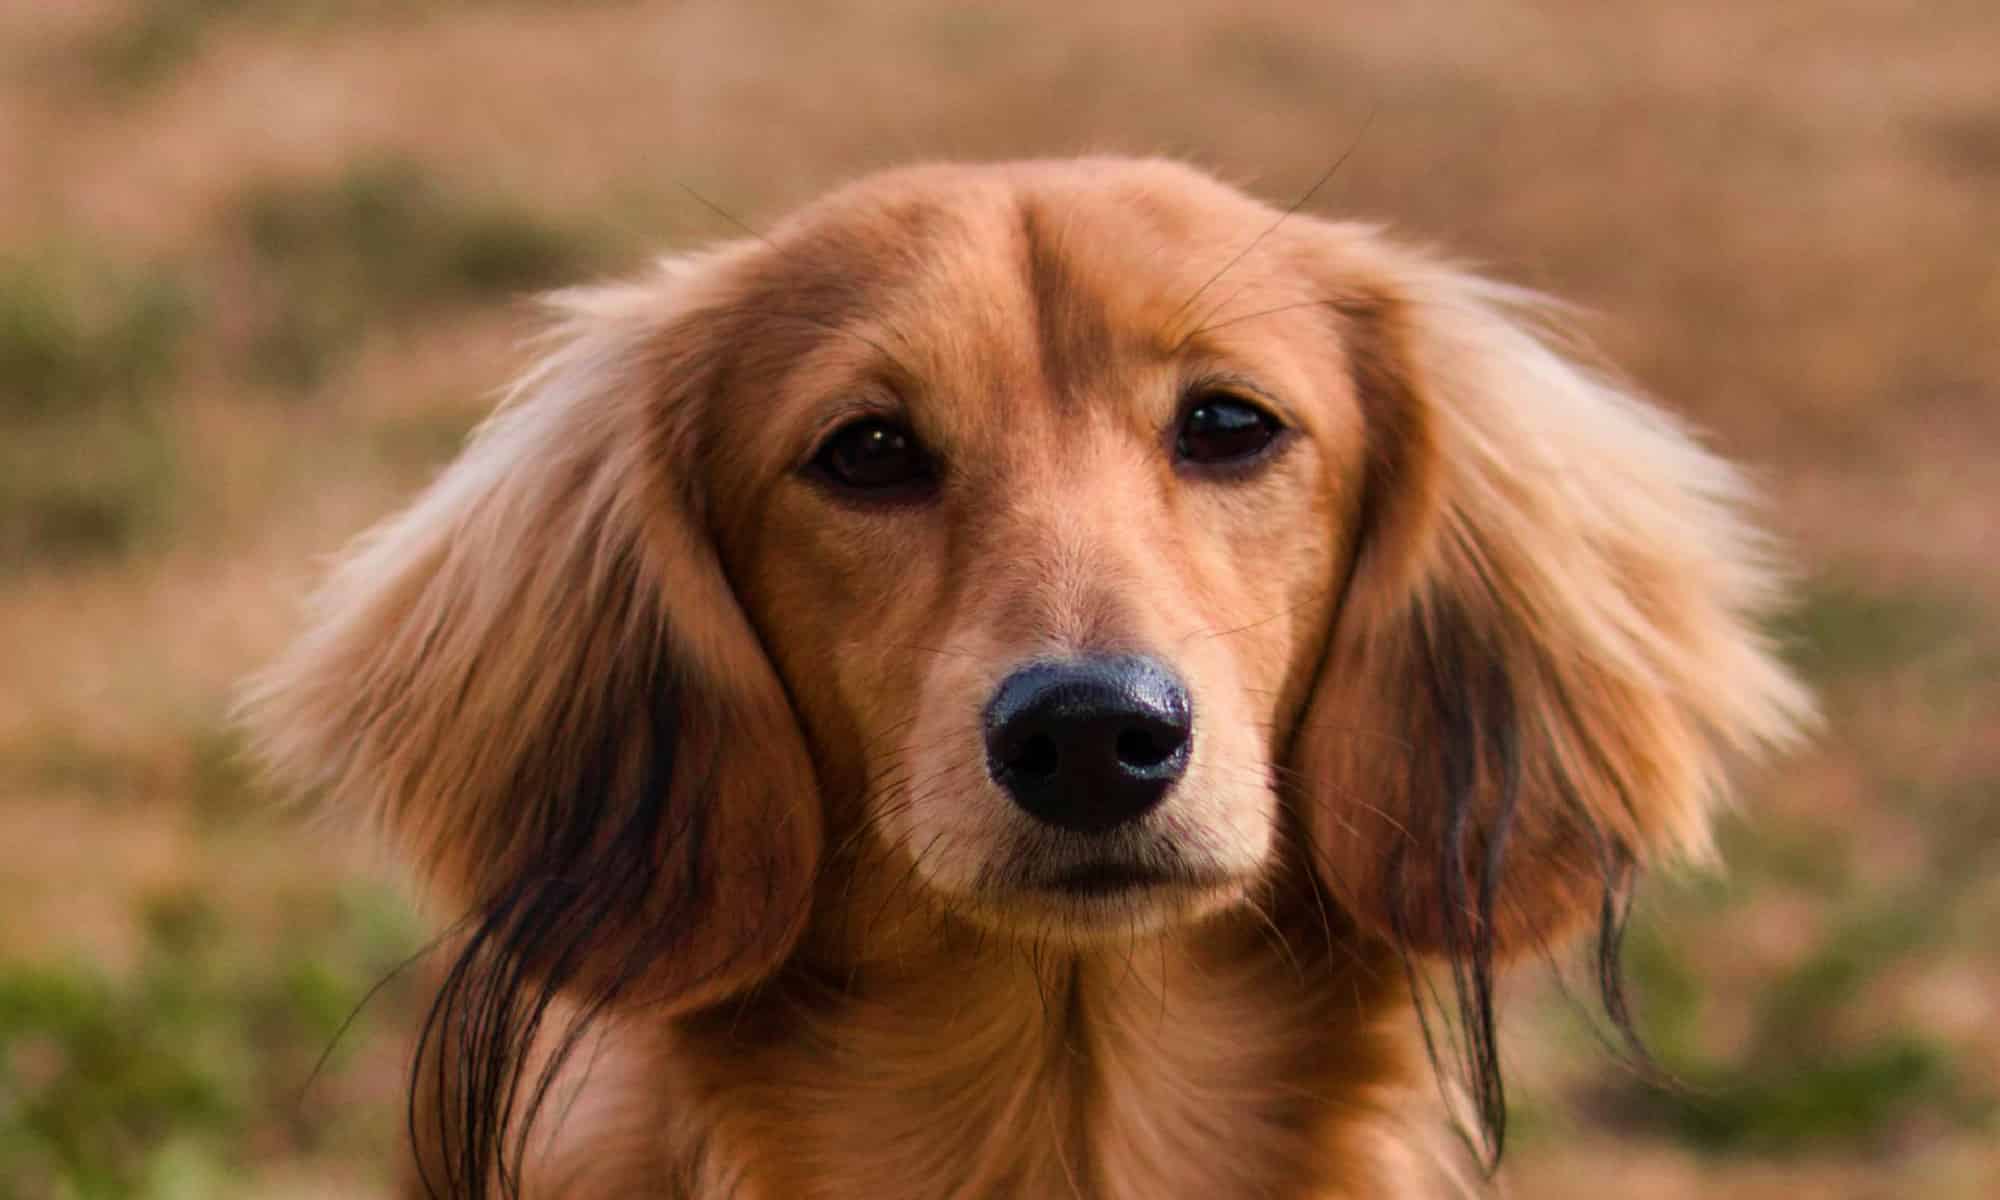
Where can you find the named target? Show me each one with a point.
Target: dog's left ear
(538, 681)
(1547, 653)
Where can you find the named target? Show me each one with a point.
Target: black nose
(1090, 743)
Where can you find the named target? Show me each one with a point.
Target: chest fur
(1143, 1073)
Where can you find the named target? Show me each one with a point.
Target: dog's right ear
(538, 680)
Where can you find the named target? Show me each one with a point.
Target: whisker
(1264, 312)
(725, 214)
(1207, 635)
(1272, 228)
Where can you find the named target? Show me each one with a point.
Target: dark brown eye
(1221, 429)
(874, 456)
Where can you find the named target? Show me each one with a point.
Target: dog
(1027, 680)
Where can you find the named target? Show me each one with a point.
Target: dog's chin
(1099, 901)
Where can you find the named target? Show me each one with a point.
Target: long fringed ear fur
(1548, 653)
(539, 682)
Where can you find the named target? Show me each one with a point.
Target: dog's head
(1080, 544)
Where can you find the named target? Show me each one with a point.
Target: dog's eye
(873, 455)
(1221, 428)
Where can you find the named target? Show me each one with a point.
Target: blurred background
(262, 266)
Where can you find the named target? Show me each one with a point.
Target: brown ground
(259, 265)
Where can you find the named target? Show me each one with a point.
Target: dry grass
(258, 272)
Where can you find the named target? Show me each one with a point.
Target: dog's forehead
(1141, 199)
(1025, 277)
(1128, 234)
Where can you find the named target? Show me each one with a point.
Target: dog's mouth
(1099, 895)
(1107, 878)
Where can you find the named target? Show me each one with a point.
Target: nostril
(1144, 748)
(1036, 759)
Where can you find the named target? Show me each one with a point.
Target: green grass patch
(335, 258)
(1801, 1085)
(87, 353)
(1841, 629)
(1666, 991)
(59, 761)
(1796, 1014)
(91, 489)
(1852, 1096)
(222, 786)
(153, 38)
(79, 336)
(1757, 852)
(161, 1082)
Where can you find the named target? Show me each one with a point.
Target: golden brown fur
(694, 743)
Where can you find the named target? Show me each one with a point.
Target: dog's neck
(1244, 1057)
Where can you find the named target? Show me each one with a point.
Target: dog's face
(1081, 542)
(1044, 548)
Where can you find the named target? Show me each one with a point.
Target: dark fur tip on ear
(1553, 623)
(1549, 653)
(538, 682)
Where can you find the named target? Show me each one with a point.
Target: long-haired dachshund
(1019, 683)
